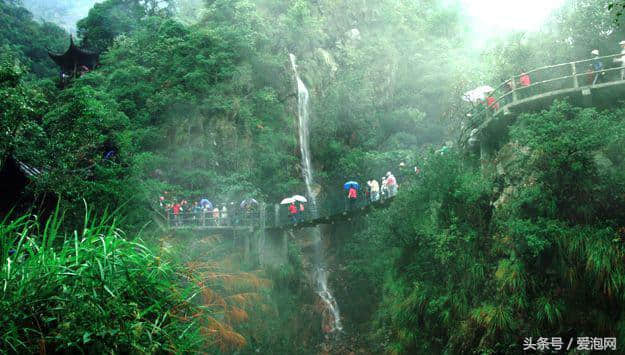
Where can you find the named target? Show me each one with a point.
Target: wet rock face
(505, 196)
(473, 138)
(328, 60)
(334, 341)
(510, 173)
(343, 345)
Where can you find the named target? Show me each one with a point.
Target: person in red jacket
(293, 212)
(352, 195)
(491, 103)
(525, 83)
(524, 79)
(177, 208)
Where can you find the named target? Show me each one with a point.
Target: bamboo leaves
(90, 291)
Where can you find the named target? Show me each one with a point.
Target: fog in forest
(312, 176)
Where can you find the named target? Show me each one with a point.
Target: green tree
(468, 276)
(20, 107)
(111, 18)
(28, 41)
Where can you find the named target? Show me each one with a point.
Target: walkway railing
(269, 216)
(213, 219)
(551, 78)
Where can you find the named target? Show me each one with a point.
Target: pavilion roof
(74, 58)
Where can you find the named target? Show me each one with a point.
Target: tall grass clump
(89, 291)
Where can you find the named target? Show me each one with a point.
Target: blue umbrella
(349, 184)
(109, 154)
(206, 203)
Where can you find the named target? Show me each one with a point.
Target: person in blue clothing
(300, 213)
(597, 67)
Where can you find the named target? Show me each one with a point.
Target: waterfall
(320, 274)
(302, 114)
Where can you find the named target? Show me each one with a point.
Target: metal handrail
(322, 210)
(483, 109)
(569, 63)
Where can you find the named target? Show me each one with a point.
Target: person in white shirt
(375, 190)
(391, 182)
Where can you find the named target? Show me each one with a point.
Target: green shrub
(91, 290)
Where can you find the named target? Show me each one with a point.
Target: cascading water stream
(320, 274)
(302, 114)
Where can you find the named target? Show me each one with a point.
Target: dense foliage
(201, 102)
(92, 289)
(67, 142)
(112, 18)
(27, 40)
(533, 248)
(208, 109)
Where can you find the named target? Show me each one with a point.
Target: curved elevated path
(574, 81)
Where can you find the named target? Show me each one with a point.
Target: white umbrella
(299, 198)
(248, 202)
(287, 201)
(477, 94)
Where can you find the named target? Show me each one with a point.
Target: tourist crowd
(202, 212)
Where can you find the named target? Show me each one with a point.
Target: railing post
(246, 247)
(263, 215)
(277, 214)
(513, 87)
(575, 81)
